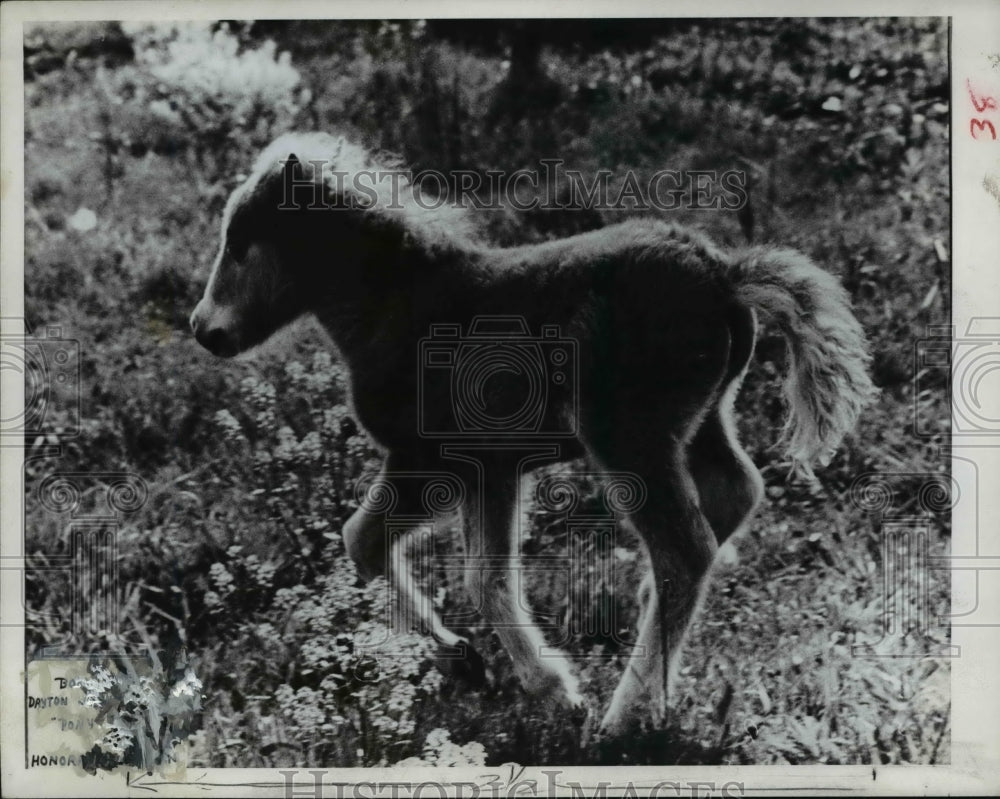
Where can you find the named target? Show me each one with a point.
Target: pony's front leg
(384, 536)
(494, 581)
(397, 491)
(365, 542)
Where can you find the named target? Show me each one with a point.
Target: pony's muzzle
(212, 336)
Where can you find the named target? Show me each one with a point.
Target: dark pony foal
(660, 325)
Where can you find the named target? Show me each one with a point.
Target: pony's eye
(236, 250)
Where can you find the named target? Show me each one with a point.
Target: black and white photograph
(415, 402)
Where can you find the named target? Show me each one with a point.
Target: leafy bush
(194, 86)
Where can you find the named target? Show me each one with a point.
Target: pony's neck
(415, 244)
(398, 265)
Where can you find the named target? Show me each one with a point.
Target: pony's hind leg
(729, 485)
(681, 547)
(646, 429)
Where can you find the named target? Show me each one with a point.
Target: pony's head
(273, 240)
(308, 231)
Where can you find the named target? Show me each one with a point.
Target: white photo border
(975, 738)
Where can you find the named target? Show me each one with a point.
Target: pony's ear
(290, 179)
(292, 167)
(288, 170)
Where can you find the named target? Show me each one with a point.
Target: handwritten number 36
(981, 104)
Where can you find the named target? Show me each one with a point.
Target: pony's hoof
(559, 691)
(609, 729)
(620, 723)
(571, 701)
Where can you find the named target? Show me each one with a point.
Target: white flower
(223, 580)
(229, 425)
(287, 445)
(83, 220)
(116, 742)
(188, 685)
(311, 447)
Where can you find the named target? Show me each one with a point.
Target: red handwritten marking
(982, 124)
(981, 104)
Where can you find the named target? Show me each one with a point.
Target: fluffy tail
(827, 384)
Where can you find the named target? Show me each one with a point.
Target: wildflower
(333, 418)
(205, 75)
(117, 742)
(317, 654)
(230, 426)
(263, 574)
(287, 445)
(311, 447)
(287, 598)
(296, 372)
(224, 582)
(187, 686)
(95, 689)
(441, 751)
(306, 707)
(430, 683)
(401, 697)
(262, 398)
(325, 374)
(358, 447)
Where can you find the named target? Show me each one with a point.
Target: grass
(250, 466)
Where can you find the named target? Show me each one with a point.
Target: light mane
(436, 222)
